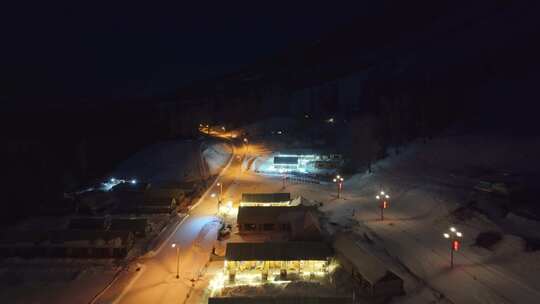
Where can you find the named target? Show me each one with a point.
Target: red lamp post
(383, 199)
(339, 182)
(220, 185)
(455, 242)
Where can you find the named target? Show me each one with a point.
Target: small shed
(370, 274)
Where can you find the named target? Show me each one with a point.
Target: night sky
(75, 50)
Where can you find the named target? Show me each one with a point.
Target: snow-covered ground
(427, 182)
(165, 161)
(216, 156)
(173, 161)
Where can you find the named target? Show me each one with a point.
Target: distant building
(370, 275)
(265, 199)
(305, 161)
(286, 162)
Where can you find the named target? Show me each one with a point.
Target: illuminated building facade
(246, 263)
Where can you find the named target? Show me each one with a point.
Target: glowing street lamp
(246, 144)
(133, 181)
(220, 185)
(383, 198)
(174, 245)
(339, 181)
(455, 242)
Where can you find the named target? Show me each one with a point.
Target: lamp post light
(246, 144)
(339, 181)
(383, 198)
(174, 245)
(455, 242)
(220, 185)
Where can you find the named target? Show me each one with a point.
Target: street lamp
(455, 242)
(174, 245)
(339, 181)
(220, 185)
(383, 198)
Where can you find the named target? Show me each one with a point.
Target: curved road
(196, 235)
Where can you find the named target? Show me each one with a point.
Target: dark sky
(82, 49)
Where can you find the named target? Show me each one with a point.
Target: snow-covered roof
(266, 197)
(306, 227)
(270, 214)
(369, 266)
(278, 251)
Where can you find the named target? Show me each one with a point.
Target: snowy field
(427, 183)
(216, 156)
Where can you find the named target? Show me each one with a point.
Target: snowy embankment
(173, 161)
(216, 156)
(170, 161)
